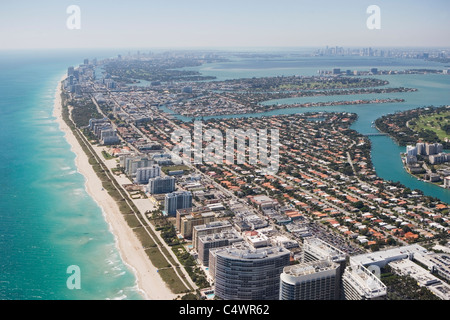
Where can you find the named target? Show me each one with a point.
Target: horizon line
(227, 47)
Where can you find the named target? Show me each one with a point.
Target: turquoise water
(48, 222)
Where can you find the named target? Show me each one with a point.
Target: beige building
(186, 222)
(209, 228)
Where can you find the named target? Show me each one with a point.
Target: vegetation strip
(157, 257)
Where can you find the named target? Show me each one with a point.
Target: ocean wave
(117, 268)
(78, 191)
(120, 296)
(120, 274)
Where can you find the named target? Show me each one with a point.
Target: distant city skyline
(201, 23)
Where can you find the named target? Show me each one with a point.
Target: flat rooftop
(383, 257)
(312, 267)
(364, 281)
(246, 252)
(323, 249)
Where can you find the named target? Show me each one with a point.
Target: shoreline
(416, 176)
(274, 107)
(149, 283)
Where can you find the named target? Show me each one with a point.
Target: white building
(244, 273)
(411, 150)
(160, 185)
(315, 280)
(143, 175)
(359, 283)
(317, 249)
(381, 258)
(447, 182)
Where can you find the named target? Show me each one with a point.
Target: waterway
(433, 89)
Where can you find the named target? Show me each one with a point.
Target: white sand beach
(129, 246)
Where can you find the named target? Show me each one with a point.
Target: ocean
(48, 222)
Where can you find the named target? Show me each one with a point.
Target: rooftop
(383, 257)
(244, 251)
(323, 249)
(364, 281)
(309, 268)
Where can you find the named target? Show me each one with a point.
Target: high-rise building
(316, 249)
(143, 175)
(439, 158)
(177, 200)
(430, 149)
(133, 163)
(162, 159)
(241, 272)
(160, 185)
(209, 228)
(447, 182)
(314, 280)
(70, 71)
(189, 221)
(411, 159)
(215, 240)
(411, 150)
(103, 129)
(420, 148)
(109, 137)
(433, 148)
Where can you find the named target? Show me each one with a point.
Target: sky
(233, 23)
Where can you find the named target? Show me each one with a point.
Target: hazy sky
(230, 23)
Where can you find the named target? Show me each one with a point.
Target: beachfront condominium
(314, 280)
(109, 137)
(215, 240)
(160, 185)
(316, 249)
(143, 175)
(242, 272)
(133, 163)
(177, 200)
(103, 129)
(209, 228)
(187, 222)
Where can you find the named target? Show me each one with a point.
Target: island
(425, 132)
